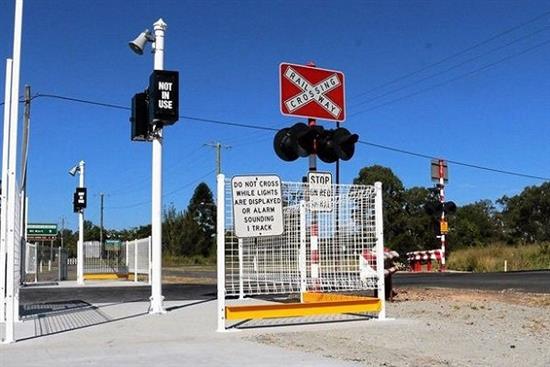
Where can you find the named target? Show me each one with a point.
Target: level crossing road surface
(533, 281)
(522, 281)
(106, 294)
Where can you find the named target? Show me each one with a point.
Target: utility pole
(23, 178)
(218, 146)
(101, 218)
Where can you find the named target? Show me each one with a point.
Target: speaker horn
(138, 44)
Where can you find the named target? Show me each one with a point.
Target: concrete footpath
(123, 334)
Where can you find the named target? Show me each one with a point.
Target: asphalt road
(536, 282)
(171, 292)
(529, 281)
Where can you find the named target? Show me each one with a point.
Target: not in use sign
(164, 97)
(257, 206)
(320, 191)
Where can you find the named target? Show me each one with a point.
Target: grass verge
(492, 257)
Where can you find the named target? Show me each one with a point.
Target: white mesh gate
(331, 251)
(138, 258)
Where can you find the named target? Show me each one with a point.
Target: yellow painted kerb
(337, 305)
(104, 276)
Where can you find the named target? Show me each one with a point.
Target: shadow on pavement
(59, 317)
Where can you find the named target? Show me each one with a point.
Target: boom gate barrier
(319, 256)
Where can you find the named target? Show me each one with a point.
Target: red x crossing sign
(312, 92)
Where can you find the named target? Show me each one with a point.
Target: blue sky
(228, 52)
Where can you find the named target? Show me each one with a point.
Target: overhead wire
(454, 55)
(458, 163)
(453, 67)
(249, 126)
(163, 195)
(461, 76)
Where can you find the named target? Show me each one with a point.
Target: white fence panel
(138, 257)
(30, 259)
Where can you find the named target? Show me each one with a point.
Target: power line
(164, 195)
(86, 101)
(458, 163)
(461, 52)
(418, 81)
(461, 76)
(247, 126)
(120, 107)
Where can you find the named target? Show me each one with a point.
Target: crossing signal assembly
(302, 140)
(156, 106)
(79, 199)
(141, 129)
(448, 207)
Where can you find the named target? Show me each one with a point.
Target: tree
(203, 212)
(474, 224)
(419, 231)
(393, 202)
(91, 231)
(191, 232)
(173, 238)
(526, 217)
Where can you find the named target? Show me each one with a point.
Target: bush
(492, 257)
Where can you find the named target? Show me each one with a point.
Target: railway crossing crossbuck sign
(312, 92)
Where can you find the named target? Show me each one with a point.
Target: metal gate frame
(311, 303)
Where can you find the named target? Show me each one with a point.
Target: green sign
(112, 245)
(41, 230)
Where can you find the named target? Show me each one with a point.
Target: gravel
(435, 327)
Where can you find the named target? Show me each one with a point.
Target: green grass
(492, 257)
(173, 261)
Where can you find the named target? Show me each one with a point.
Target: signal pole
(314, 230)
(80, 247)
(157, 298)
(101, 218)
(442, 201)
(218, 146)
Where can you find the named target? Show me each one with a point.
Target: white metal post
(241, 269)
(127, 246)
(80, 247)
(135, 260)
(4, 201)
(22, 243)
(156, 195)
(59, 275)
(379, 224)
(12, 173)
(149, 253)
(302, 262)
(220, 255)
(36, 262)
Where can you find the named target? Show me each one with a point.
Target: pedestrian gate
(327, 258)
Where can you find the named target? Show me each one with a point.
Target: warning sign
(312, 92)
(320, 191)
(257, 206)
(444, 227)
